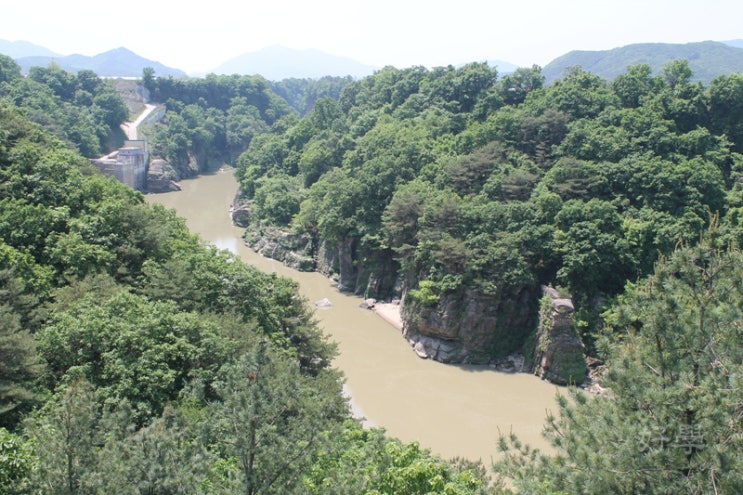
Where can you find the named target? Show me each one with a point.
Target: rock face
(290, 248)
(559, 354)
(161, 177)
(371, 274)
(471, 327)
(241, 215)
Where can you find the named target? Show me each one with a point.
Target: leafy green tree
(411, 471)
(635, 85)
(148, 78)
(81, 109)
(514, 87)
(677, 72)
(726, 105)
(17, 461)
(131, 348)
(208, 281)
(9, 69)
(579, 93)
(108, 106)
(361, 460)
(243, 122)
(277, 199)
(595, 256)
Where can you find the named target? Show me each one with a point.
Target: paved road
(130, 128)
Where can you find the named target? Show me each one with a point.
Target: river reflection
(453, 410)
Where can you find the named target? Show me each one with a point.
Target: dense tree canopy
(82, 109)
(136, 359)
(444, 174)
(671, 420)
(212, 120)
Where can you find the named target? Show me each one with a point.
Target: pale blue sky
(198, 37)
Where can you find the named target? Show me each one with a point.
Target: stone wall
(128, 164)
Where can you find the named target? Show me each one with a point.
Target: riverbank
(389, 312)
(454, 410)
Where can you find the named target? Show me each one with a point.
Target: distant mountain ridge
(19, 49)
(707, 59)
(502, 66)
(120, 62)
(278, 62)
(735, 43)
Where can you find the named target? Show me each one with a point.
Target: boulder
(323, 303)
(241, 214)
(420, 350)
(368, 303)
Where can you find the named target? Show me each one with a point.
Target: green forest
(135, 358)
(458, 190)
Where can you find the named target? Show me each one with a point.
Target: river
(453, 410)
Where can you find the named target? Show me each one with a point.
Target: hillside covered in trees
(81, 109)
(136, 359)
(463, 193)
(212, 121)
(707, 59)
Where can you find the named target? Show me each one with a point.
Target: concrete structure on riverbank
(128, 164)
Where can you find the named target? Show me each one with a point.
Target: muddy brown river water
(453, 410)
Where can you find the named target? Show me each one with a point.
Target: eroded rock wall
(471, 327)
(559, 354)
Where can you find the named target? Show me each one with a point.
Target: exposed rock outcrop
(371, 274)
(241, 215)
(559, 354)
(471, 327)
(368, 303)
(161, 177)
(294, 250)
(445, 351)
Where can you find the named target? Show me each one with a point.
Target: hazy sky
(199, 36)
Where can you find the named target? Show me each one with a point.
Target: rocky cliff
(371, 274)
(559, 354)
(161, 177)
(471, 327)
(294, 250)
(468, 326)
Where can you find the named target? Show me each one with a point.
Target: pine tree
(672, 420)
(19, 362)
(271, 419)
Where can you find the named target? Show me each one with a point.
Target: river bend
(453, 410)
